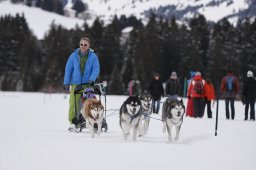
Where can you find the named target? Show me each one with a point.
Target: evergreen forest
(163, 46)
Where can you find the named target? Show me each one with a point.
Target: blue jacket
(72, 70)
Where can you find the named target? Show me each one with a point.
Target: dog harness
(134, 116)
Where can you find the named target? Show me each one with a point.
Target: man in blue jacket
(82, 68)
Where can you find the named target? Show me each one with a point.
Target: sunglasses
(84, 45)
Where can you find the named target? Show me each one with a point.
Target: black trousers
(231, 101)
(209, 110)
(198, 103)
(250, 102)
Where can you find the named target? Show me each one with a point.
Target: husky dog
(146, 106)
(130, 113)
(172, 115)
(92, 112)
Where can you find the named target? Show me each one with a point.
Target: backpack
(229, 85)
(199, 87)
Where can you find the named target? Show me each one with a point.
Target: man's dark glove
(189, 97)
(66, 87)
(91, 83)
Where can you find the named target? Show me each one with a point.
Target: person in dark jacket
(229, 88)
(172, 86)
(249, 95)
(156, 90)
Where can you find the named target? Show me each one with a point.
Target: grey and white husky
(130, 114)
(146, 106)
(172, 116)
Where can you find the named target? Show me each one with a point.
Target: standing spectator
(172, 86)
(82, 68)
(156, 90)
(190, 107)
(196, 91)
(209, 96)
(134, 88)
(249, 95)
(229, 88)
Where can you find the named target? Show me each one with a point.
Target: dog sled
(86, 93)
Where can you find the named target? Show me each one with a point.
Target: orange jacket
(209, 91)
(191, 91)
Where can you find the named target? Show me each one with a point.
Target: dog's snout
(134, 109)
(179, 113)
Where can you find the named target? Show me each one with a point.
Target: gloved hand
(66, 87)
(91, 83)
(189, 97)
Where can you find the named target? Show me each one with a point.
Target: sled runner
(88, 93)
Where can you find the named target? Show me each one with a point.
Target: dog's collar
(147, 111)
(134, 116)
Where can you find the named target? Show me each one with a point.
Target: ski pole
(217, 115)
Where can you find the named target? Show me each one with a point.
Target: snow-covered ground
(34, 136)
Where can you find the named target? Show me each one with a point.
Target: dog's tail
(164, 126)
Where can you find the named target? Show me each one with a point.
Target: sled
(98, 90)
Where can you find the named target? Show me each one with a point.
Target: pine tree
(116, 85)
(15, 39)
(78, 7)
(57, 49)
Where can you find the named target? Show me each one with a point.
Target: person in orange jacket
(196, 91)
(209, 96)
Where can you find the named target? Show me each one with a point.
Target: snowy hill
(214, 10)
(39, 21)
(33, 133)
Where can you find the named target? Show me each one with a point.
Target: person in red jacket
(209, 96)
(190, 106)
(229, 88)
(196, 91)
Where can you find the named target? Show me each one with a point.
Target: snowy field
(34, 136)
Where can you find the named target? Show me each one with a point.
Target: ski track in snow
(34, 135)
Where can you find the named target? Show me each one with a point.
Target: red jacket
(191, 91)
(209, 91)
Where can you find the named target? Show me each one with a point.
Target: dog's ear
(181, 101)
(100, 102)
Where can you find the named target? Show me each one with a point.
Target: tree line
(163, 46)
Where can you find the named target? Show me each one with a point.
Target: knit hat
(249, 73)
(156, 74)
(173, 75)
(198, 73)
